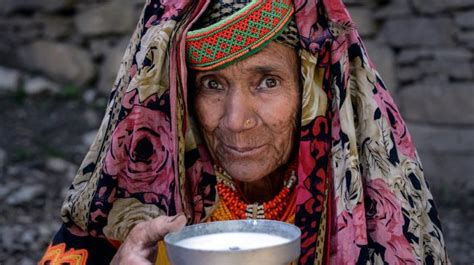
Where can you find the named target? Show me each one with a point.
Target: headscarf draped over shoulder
(361, 194)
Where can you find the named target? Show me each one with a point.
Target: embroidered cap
(234, 30)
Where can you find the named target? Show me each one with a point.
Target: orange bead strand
(231, 206)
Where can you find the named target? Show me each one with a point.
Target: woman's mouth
(242, 150)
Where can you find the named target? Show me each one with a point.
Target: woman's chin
(246, 173)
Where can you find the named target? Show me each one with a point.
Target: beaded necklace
(232, 207)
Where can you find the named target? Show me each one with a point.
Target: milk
(232, 241)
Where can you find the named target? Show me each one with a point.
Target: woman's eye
(269, 82)
(211, 84)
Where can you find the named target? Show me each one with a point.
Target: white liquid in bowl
(232, 241)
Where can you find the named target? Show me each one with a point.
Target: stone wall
(77, 43)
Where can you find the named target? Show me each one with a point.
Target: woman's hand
(141, 244)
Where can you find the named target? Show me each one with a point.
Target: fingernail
(175, 217)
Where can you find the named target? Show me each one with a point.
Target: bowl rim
(167, 238)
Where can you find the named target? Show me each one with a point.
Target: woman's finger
(150, 232)
(158, 229)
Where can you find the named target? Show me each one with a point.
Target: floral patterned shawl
(361, 193)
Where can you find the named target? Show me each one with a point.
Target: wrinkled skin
(247, 113)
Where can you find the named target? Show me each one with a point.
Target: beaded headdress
(233, 30)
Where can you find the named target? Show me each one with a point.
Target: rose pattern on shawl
(385, 223)
(350, 229)
(140, 154)
(315, 30)
(336, 11)
(307, 24)
(165, 10)
(173, 8)
(390, 112)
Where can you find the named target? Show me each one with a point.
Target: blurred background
(58, 60)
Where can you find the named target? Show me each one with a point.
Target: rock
(28, 236)
(58, 5)
(407, 74)
(453, 63)
(91, 118)
(458, 54)
(439, 79)
(109, 18)
(411, 32)
(58, 165)
(398, 8)
(7, 57)
(25, 194)
(17, 30)
(430, 7)
(435, 6)
(8, 187)
(46, 230)
(88, 138)
(14, 170)
(350, 3)
(466, 38)
(455, 4)
(25, 219)
(9, 79)
(37, 175)
(364, 20)
(56, 27)
(460, 70)
(100, 47)
(450, 175)
(39, 85)
(442, 139)
(89, 96)
(110, 67)
(63, 62)
(438, 103)
(12, 6)
(465, 19)
(384, 60)
(26, 261)
(9, 236)
(4, 191)
(3, 160)
(409, 56)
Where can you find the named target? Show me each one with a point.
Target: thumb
(159, 227)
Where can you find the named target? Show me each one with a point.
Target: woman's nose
(239, 112)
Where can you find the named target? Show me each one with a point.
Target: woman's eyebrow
(264, 69)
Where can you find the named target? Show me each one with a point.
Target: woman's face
(247, 112)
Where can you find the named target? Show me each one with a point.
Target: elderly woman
(261, 109)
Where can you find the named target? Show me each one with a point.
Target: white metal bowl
(273, 253)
